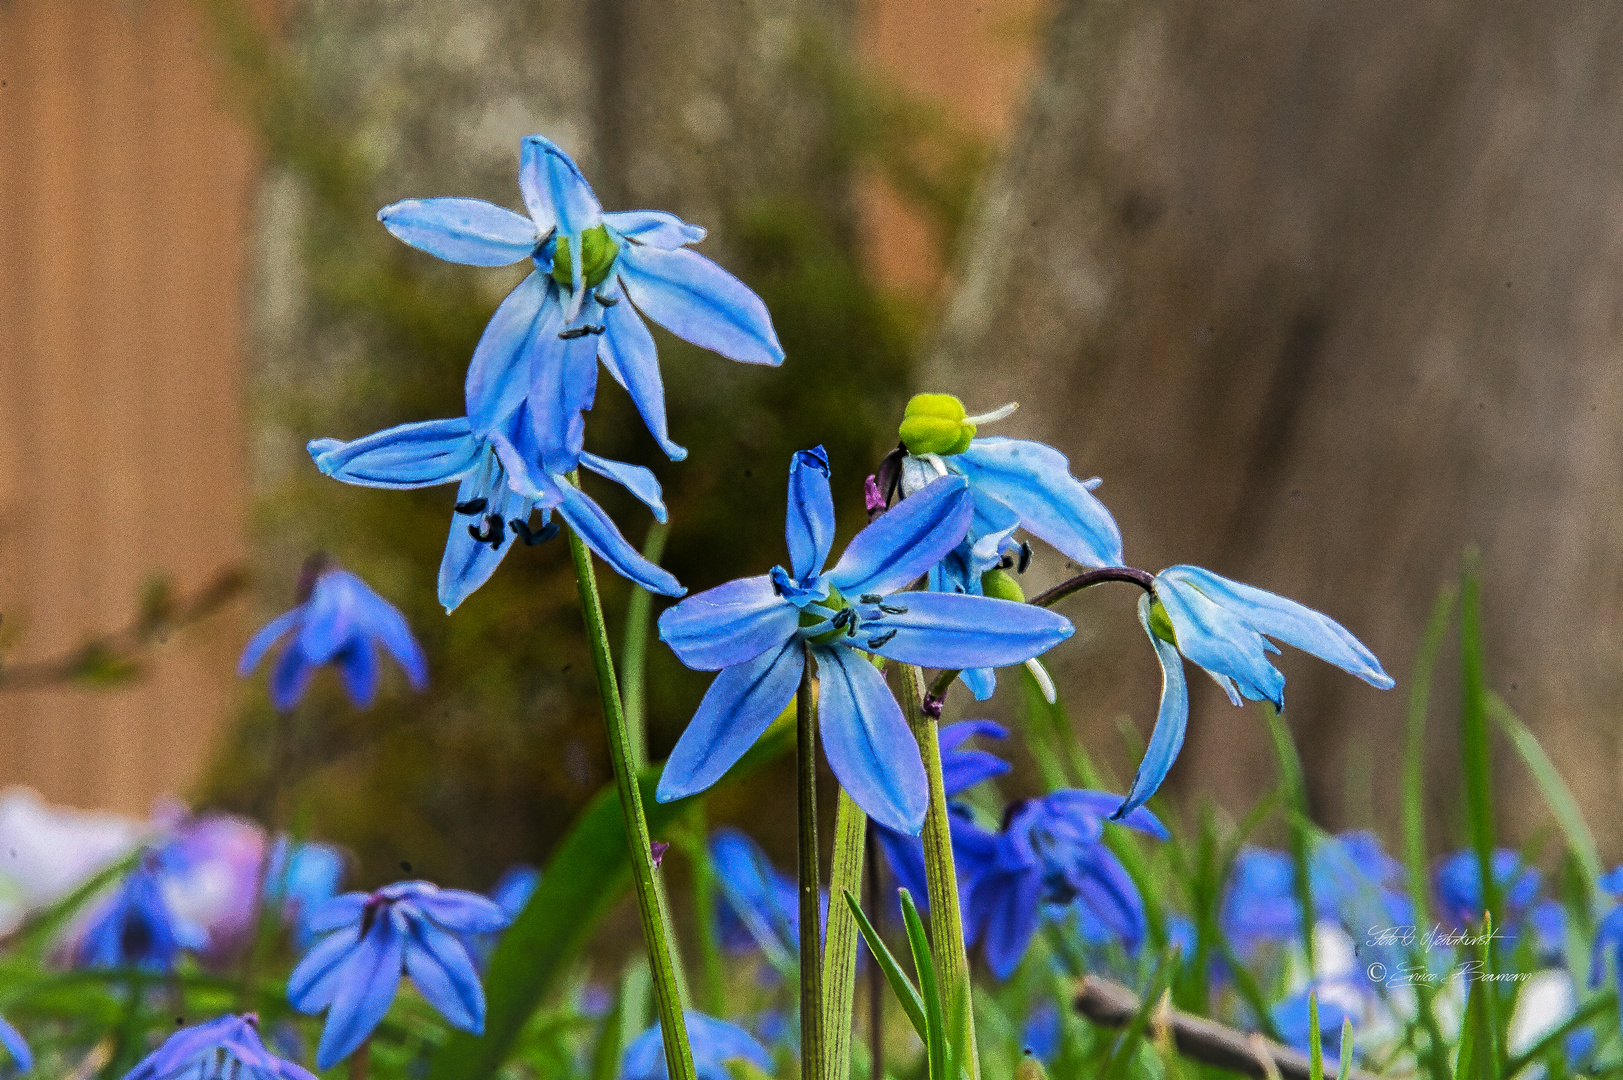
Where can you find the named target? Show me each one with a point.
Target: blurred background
(1324, 292)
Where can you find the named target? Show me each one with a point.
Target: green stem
(650, 897)
(360, 1061)
(811, 949)
(634, 655)
(876, 974)
(941, 875)
(840, 950)
(704, 905)
(1290, 768)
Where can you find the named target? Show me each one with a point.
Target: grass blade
(1301, 844)
(1555, 790)
(1133, 1035)
(1315, 1040)
(900, 984)
(840, 943)
(929, 989)
(1344, 1068)
(1475, 752)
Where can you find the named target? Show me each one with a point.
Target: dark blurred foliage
(492, 763)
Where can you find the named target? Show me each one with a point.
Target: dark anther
(606, 301)
(574, 332)
(1025, 558)
(876, 642)
(596, 328)
(532, 537)
(843, 618)
(871, 598)
(889, 473)
(1006, 563)
(932, 706)
(473, 506)
(492, 534)
(890, 610)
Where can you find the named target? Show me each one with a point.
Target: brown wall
(125, 194)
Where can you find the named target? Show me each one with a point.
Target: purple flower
(412, 928)
(136, 927)
(341, 621)
(227, 1047)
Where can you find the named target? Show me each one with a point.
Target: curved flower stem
(650, 898)
(811, 945)
(940, 871)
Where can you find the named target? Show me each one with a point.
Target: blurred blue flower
(1338, 1001)
(1050, 853)
(1220, 625)
(714, 1043)
(136, 927)
(16, 1046)
(410, 927)
(500, 482)
(514, 888)
(1259, 903)
(340, 621)
(300, 882)
(544, 339)
(1457, 882)
(760, 629)
(760, 904)
(228, 1046)
(1043, 1031)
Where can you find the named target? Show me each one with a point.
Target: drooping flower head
(16, 1046)
(226, 1048)
(410, 928)
(137, 927)
(596, 277)
(339, 621)
(714, 1043)
(759, 631)
(1224, 627)
(1016, 484)
(1050, 855)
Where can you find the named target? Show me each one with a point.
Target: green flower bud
(1161, 624)
(935, 424)
(836, 603)
(600, 252)
(1000, 586)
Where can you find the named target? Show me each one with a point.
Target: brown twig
(114, 657)
(1112, 1005)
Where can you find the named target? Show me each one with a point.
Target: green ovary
(935, 424)
(600, 251)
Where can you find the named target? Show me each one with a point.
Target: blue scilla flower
(501, 481)
(1259, 903)
(1224, 627)
(714, 1043)
(16, 1046)
(226, 1047)
(136, 927)
(1049, 854)
(1457, 882)
(1016, 484)
(299, 878)
(1609, 934)
(410, 927)
(757, 631)
(760, 906)
(340, 621)
(545, 338)
(1339, 1000)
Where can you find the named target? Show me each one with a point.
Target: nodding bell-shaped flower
(410, 928)
(714, 1043)
(759, 633)
(226, 1047)
(545, 338)
(137, 927)
(1224, 627)
(1016, 484)
(340, 621)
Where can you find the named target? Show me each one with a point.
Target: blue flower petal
(1608, 940)
(563, 386)
(1100, 805)
(1104, 887)
(383, 621)
(336, 912)
(900, 545)
(440, 967)
(730, 624)
(1009, 932)
(463, 912)
(358, 664)
(955, 735)
(700, 302)
(601, 535)
(405, 456)
(499, 374)
(268, 635)
(1170, 723)
(290, 677)
(980, 682)
(738, 707)
(636, 479)
(314, 982)
(1222, 643)
(1035, 482)
(468, 231)
(721, 1041)
(867, 741)
(955, 630)
(555, 192)
(330, 615)
(15, 1045)
(1288, 621)
(655, 228)
(810, 518)
(627, 349)
(468, 563)
(1612, 881)
(365, 991)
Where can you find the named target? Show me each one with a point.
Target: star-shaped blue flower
(1224, 626)
(411, 928)
(501, 481)
(228, 1046)
(16, 1046)
(757, 632)
(545, 338)
(136, 927)
(341, 622)
(714, 1043)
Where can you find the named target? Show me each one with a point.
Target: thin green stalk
(1290, 770)
(1474, 749)
(704, 904)
(650, 897)
(941, 875)
(840, 950)
(876, 975)
(634, 654)
(811, 948)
